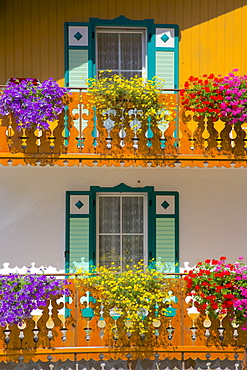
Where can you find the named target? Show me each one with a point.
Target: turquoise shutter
(165, 46)
(78, 58)
(77, 230)
(167, 251)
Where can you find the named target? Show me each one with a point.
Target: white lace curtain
(120, 52)
(121, 230)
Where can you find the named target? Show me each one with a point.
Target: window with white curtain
(121, 229)
(121, 224)
(123, 51)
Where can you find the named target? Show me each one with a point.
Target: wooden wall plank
(53, 47)
(9, 33)
(61, 18)
(237, 35)
(2, 43)
(243, 65)
(44, 67)
(26, 41)
(18, 37)
(212, 37)
(36, 56)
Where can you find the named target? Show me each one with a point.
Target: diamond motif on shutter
(79, 204)
(78, 36)
(164, 38)
(165, 204)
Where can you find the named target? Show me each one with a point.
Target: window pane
(108, 53)
(109, 214)
(131, 51)
(128, 75)
(132, 215)
(109, 250)
(132, 249)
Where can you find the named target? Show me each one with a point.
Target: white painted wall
(213, 206)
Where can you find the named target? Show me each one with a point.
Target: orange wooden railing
(81, 137)
(86, 330)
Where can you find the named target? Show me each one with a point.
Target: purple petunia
(20, 295)
(33, 106)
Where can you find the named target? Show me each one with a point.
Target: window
(122, 225)
(123, 51)
(121, 229)
(123, 45)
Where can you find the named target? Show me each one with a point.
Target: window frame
(121, 30)
(145, 221)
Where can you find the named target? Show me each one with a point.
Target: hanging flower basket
(218, 288)
(134, 294)
(21, 294)
(217, 97)
(33, 105)
(121, 94)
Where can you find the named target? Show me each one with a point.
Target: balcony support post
(245, 358)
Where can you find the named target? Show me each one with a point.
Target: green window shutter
(77, 231)
(165, 50)
(166, 227)
(78, 72)
(78, 47)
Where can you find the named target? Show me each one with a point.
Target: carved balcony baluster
(82, 136)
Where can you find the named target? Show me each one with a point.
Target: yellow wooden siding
(212, 33)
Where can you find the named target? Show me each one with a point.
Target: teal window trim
(92, 229)
(165, 49)
(123, 188)
(121, 21)
(78, 216)
(66, 53)
(78, 47)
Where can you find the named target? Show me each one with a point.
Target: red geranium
(202, 96)
(212, 286)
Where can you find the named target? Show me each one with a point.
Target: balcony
(81, 137)
(82, 330)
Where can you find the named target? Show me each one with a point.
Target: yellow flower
(129, 291)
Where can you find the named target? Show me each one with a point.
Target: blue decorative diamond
(164, 38)
(79, 204)
(165, 204)
(78, 36)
